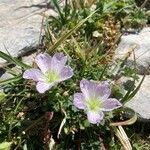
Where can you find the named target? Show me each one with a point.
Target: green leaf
(13, 60)
(129, 95)
(137, 88)
(126, 97)
(108, 6)
(103, 72)
(78, 49)
(2, 97)
(5, 146)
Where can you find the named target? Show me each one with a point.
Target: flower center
(52, 76)
(94, 104)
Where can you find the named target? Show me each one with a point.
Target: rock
(140, 103)
(4, 75)
(141, 43)
(29, 60)
(20, 25)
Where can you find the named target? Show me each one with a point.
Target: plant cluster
(71, 97)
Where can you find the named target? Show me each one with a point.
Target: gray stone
(4, 74)
(20, 25)
(29, 60)
(141, 42)
(140, 103)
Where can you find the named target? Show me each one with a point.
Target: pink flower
(52, 70)
(94, 99)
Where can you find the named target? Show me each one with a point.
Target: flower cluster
(94, 98)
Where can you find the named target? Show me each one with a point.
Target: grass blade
(66, 35)
(137, 88)
(7, 81)
(127, 122)
(129, 95)
(122, 137)
(55, 2)
(13, 60)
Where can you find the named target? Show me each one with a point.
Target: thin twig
(144, 3)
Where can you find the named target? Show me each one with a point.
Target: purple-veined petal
(44, 62)
(43, 87)
(110, 104)
(58, 62)
(104, 89)
(34, 74)
(60, 57)
(85, 88)
(66, 73)
(95, 117)
(79, 101)
(94, 90)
